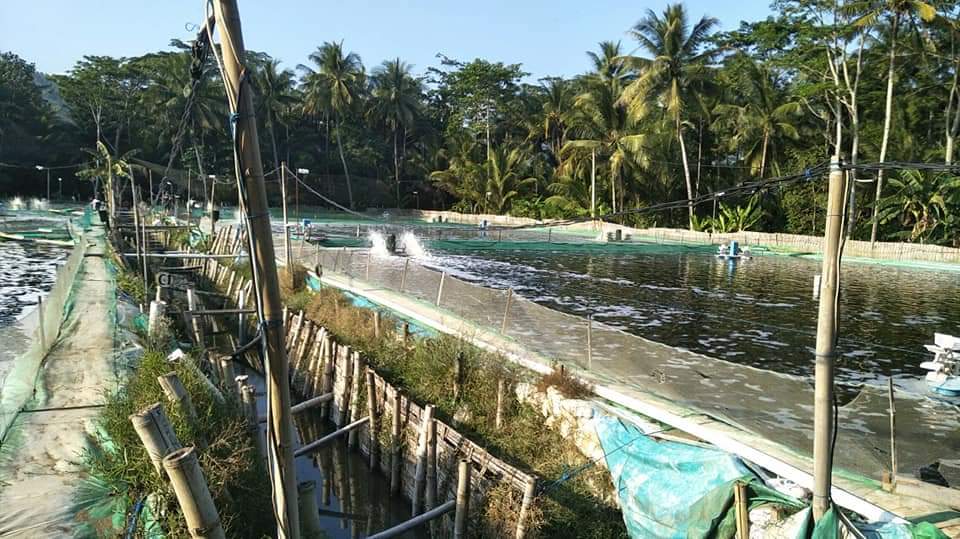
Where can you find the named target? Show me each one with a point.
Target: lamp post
(60, 188)
(296, 189)
(417, 194)
(41, 167)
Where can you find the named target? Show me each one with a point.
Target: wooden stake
(376, 324)
(178, 395)
(155, 432)
(740, 502)
(529, 491)
(431, 487)
(249, 396)
(501, 389)
(358, 370)
(420, 474)
(395, 444)
(443, 277)
(463, 500)
(192, 492)
(893, 429)
(309, 512)
(374, 448)
(506, 312)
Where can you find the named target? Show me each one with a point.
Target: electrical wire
(332, 202)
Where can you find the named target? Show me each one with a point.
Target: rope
(331, 202)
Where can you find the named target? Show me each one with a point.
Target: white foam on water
(378, 244)
(412, 246)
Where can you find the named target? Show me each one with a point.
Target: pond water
(759, 312)
(27, 273)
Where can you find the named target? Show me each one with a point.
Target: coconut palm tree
(504, 178)
(104, 167)
(276, 96)
(675, 71)
(896, 12)
(603, 130)
(333, 87)
(764, 121)
(397, 101)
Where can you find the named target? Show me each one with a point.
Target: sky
(548, 38)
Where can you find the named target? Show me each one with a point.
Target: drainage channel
(352, 500)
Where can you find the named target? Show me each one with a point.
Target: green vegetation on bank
(425, 369)
(695, 110)
(230, 461)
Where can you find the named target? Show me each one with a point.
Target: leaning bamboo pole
(192, 492)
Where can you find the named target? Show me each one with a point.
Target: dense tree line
(693, 111)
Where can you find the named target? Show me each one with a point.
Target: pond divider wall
(789, 242)
(319, 365)
(38, 332)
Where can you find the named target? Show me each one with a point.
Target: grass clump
(568, 386)
(231, 466)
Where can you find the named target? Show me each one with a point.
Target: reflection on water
(353, 501)
(759, 312)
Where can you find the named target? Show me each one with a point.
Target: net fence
(27, 342)
(775, 406)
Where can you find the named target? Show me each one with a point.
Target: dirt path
(40, 476)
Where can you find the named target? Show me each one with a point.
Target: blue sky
(548, 38)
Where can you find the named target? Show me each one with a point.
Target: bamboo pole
(415, 522)
(358, 369)
(823, 426)
(227, 373)
(893, 430)
(374, 448)
(249, 397)
(317, 444)
(430, 495)
(395, 445)
(376, 324)
(178, 395)
(501, 389)
(155, 433)
(443, 277)
(506, 312)
(589, 341)
(344, 412)
(420, 474)
(309, 512)
(263, 260)
(192, 492)
(529, 492)
(740, 502)
(157, 309)
(327, 379)
(463, 500)
(403, 276)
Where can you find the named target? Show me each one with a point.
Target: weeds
(568, 386)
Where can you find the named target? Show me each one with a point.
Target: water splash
(16, 203)
(412, 246)
(378, 244)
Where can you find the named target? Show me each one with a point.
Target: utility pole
(823, 427)
(283, 476)
(48, 184)
(283, 193)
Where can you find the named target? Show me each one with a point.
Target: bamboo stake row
(419, 448)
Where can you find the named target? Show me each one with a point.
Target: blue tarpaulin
(663, 486)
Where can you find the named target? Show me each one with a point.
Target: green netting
(773, 406)
(559, 246)
(32, 337)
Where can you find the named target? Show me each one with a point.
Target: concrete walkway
(40, 475)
